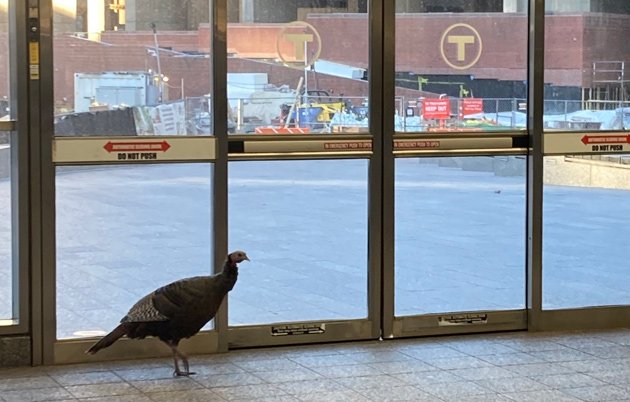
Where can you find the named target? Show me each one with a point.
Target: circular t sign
(461, 46)
(298, 45)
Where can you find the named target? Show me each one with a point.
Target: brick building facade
(573, 42)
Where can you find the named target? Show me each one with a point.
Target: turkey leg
(177, 354)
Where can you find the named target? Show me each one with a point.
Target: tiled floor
(538, 367)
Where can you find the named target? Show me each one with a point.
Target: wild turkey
(177, 311)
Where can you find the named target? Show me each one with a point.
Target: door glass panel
(6, 261)
(586, 196)
(586, 205)
(122, 232)
(587, 84)
(460, 234)
(298, 66)
(132, 67)
(7, 276)
(460, 65)
(304, 225)
(129, 68)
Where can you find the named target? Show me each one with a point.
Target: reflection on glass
(4, 60)
(132, 68)
(460, 234)
(460, 65)
(304, 225)
(121, 233)
(6, 274)
(298, 66)
(586, 231)
(587, 84)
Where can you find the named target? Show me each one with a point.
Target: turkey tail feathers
(108, 339)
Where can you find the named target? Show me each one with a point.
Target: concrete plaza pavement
(122, 231)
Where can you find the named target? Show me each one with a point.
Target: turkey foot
(176, 356)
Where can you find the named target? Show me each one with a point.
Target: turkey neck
(229, 274)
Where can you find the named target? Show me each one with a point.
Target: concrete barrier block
(5, 161)
(509, 166)
(478, 164)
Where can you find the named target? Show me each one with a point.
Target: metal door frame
(49, 152)
(53, 152)
(533, 317)
(538, 318)
(35, 155)
(506, 143)
(312, 147)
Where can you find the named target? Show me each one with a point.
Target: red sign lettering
(471, 106)
(436, 109)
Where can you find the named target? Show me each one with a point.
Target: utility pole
(159, 68)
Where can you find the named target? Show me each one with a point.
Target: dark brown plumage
(177, 311)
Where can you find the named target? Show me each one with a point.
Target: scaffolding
(609, 85)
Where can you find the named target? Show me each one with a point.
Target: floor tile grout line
(561, 362)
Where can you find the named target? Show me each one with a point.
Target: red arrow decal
(605, 139)
(159, 146)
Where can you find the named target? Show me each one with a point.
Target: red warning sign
(436, 109)
(470, 106)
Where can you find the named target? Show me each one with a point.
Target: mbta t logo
(298, 44)
(461, 46)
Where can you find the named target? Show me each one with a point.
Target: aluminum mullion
(535, 101)
(219, 213)
(375, 176)
(44, 203)
(386, 47)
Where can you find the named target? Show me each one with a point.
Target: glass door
(586, 175)
(14, 307)
(133, 167)
(7, 313)
(458, 168)
(382, 185)
(304, 176)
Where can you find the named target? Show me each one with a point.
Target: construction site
(319, 83)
